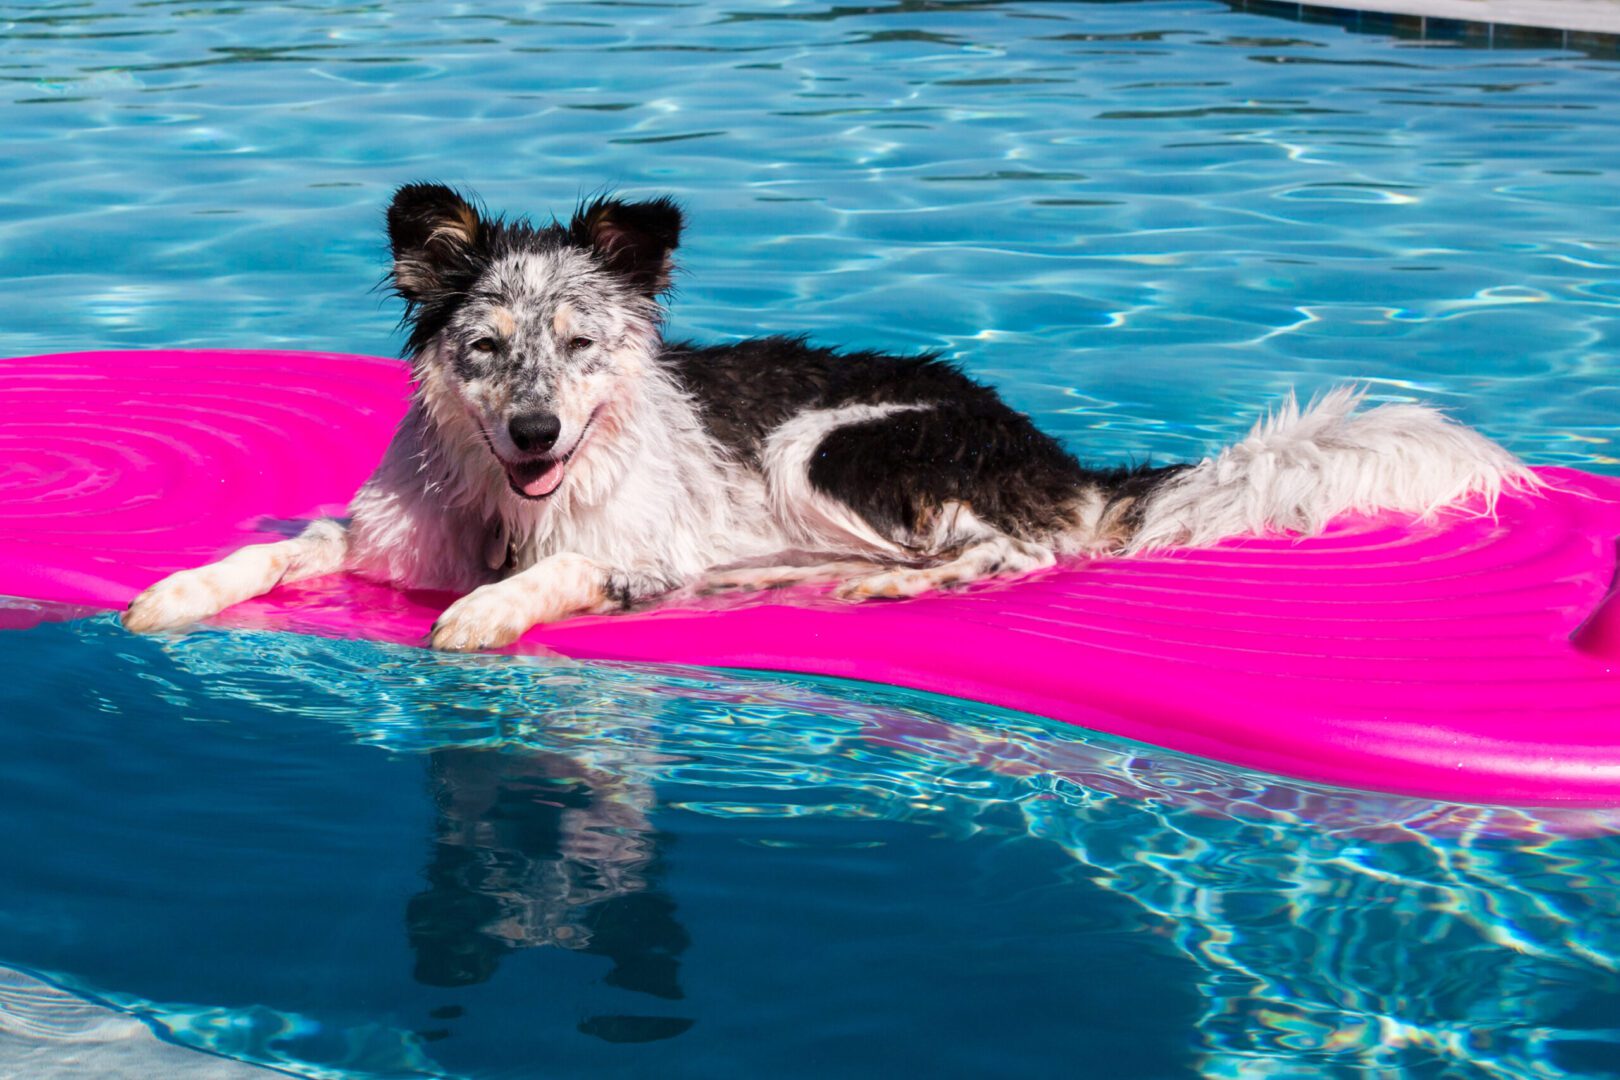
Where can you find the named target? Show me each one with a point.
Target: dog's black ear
(633, 239)
(439, 244)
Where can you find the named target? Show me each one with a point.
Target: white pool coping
(1575, 16)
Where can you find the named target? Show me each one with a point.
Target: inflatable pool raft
(1465, 658)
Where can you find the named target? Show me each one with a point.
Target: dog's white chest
(674, 522)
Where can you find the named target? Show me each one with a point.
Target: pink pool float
(1469, 658)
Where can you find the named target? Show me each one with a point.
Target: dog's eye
(484, 345)
(576, 344)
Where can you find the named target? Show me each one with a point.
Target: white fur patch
(1299, 468)
(812, 519)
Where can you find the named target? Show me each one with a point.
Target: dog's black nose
(535, 432)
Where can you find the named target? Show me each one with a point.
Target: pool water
(1143, 221)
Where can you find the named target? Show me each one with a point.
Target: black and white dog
(559, 456)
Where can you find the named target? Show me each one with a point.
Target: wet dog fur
(559, 456)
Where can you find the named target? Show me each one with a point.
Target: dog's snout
(535, 432)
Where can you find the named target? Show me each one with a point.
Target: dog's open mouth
(536, 479)
(540, 477)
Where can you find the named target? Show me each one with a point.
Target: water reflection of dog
(536, 849)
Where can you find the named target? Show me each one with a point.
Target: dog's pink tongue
(546, 482)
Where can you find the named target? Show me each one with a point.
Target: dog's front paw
(486, 618)
(178, 600)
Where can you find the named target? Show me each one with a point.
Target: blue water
(1142, 220)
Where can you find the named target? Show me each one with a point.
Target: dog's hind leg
(938, 493)
(192, 595)
(1000, 555)
(753, 578)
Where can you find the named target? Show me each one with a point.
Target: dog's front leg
(192, 595)
(553, 588)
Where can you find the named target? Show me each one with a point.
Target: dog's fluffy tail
(1299, 468)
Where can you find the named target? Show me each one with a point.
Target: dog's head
(534, 333)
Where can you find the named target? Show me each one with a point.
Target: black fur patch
(441, 246)
(748, 389)
(898, 470)
(632, 239)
